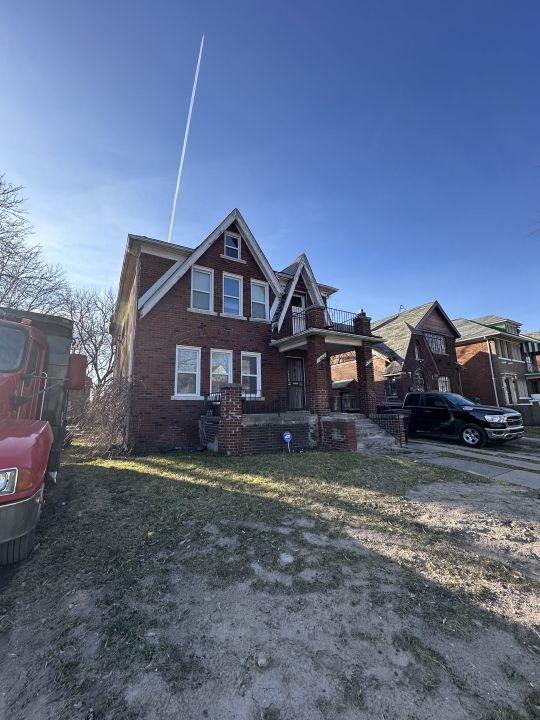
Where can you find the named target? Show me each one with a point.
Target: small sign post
(287, 437)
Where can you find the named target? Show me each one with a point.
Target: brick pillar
(230, 436)
(367, 399)
(316, 317)
(318, 390)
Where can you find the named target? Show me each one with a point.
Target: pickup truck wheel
(472, 436)
(14, 551)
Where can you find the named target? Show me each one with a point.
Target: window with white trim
(437, 343)
(232, 294)
(445, 384)
(220, 369)
(232, 246)
(251, 374)
(508, 350)
(188, 371)
(522, 388)
(259, 300)
(202, 289)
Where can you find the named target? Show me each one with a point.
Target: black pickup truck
(453, 416)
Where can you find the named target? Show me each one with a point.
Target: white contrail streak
(185, 138)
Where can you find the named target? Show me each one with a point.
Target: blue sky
(396, 143)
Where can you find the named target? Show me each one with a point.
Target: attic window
(232, 246)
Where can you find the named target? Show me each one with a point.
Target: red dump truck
(37, 371)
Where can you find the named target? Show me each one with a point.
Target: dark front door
(295, 383)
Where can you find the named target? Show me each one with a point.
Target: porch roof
(336, 342)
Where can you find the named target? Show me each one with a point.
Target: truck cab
(36, 373)
(453, 416)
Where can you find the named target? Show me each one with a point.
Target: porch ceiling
(336, 342)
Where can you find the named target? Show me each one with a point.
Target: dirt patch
(321, 586)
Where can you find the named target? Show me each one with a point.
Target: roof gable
(303, 269)
(162, 286)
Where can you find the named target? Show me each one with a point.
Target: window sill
(238, 260)
(187, 397)
(202, 312)
(259, 320)
(252, 397)
(232, 317)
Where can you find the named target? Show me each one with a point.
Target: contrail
(185, 138)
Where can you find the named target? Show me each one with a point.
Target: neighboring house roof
(397, 329)
(494, 320)
(394, 368)
(535, 335)
(471, 330)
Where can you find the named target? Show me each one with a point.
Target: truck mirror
(76, 372)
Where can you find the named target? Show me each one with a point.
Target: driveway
(514, 462)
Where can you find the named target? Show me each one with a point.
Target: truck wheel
(16, 550)
(472, 436)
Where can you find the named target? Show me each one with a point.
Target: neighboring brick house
(493, 355)
(418, 353)
(189, 321)
(530, 349)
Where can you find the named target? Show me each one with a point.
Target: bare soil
(297, 587)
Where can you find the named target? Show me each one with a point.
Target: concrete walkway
(512, 465)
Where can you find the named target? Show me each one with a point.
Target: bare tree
(91, 311)
(27, 281)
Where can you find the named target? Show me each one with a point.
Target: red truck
(37, 371)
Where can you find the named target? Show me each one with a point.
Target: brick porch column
(230, 436)
(318, 391)
(315, 317)
(367, 399)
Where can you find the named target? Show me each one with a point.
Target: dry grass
(117, 535)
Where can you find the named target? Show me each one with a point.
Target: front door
(295, 383)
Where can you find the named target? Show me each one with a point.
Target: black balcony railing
(298, 320)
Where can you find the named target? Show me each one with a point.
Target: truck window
(434, 401)
(33, 362)
(412, 399)
(12, 346)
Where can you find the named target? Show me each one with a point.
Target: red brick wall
(338, 434)
(476, 376)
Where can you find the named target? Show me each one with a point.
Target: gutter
(492, 375)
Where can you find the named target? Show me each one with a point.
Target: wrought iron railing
(298, 320)
(254, 405)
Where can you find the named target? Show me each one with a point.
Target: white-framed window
(220, 369)
(232, 246)
(508, 350)
(232, 294)
(522, 388)
(259, 300)
(437, 343)
(202, 288)
(251, 374)
(188, 372)
(445, 384)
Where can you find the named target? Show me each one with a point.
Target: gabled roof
(476, 330)
(535, 335)
(303, 268)
(397, 329)
(495, 320)
(162, 286)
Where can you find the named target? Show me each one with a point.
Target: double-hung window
(444, 384)
(259, 300)
(188, 371)
(220, 369)
(251, 374)
(232, 246)
(232, 294)
(202, 289)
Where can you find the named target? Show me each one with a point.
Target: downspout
(491, 368)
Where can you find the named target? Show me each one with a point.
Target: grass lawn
(312, 585)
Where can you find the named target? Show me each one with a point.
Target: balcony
(341, 330)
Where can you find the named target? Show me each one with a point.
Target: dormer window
(232, 246)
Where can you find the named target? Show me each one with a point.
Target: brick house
(530, 349)
(497, 360)
(418, 352)
(190, 322)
